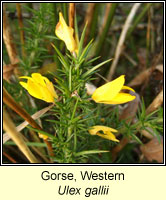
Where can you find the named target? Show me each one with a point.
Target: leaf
(81, 41)
(153, 150)
(35, 144)
(42, 132)
(95, 67)
(65, 64)
(8, 71)
(89, 152)
(156, 103)
(136, 138)
(86, 50)
(37, 115)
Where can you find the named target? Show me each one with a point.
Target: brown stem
(9, 126)
(122, 38)
(88, 18)
(21, 26)
(36, 150)
(118, 148)
(8, 39)
(106, 15)
(8, 100)
(71, 14)
(9, 157)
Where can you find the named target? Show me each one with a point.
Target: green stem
(70, 78)
(95, 21)
(74, 109)
(65, 11)
(106, 28)
(75, 139)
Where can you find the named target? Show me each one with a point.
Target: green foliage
(73, 112)
(37, 38)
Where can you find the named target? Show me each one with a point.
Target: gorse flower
(107, 132)
(39, 87)
(65, 33)
(111, 93)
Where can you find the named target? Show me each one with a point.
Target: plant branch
(121, 41)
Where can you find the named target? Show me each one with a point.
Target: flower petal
(38, 78)
(127, 88)
(25, 77)
(65, 33)
(94, 130)
(44, 137)
(50, 87)
(24, 84)
(108, 136)
(109, 90)
(40, 92)
(40, 87)
(120, 98)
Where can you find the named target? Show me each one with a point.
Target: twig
(133, 62)
(138, 19)
(156, 103)
(88, 18)
(106, 15)
(122, 39)
(8, 38)
(9, 126)
(71, 14)
(148, 37)
(19, 110)
(141, 77)
(119, 147)
(37, 151)
(8, 100)
(9, 157)
(20, 21)
(35, 116)
(144, 75)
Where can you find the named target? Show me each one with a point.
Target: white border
(109, 164)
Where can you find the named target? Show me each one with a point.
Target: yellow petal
(23, 84)
(40, 92)
(127, 88)
(109, 90)
(44, 137)
(50, 87)
(120, 98)
(25, 77)
(108, 136)
(39, 87)
(38, 78)
(65, 33)
(94, 130)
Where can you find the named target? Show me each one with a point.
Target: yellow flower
(39, 87)
(44, 137)
(110, 93)
(65, 33)
(107, 132)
